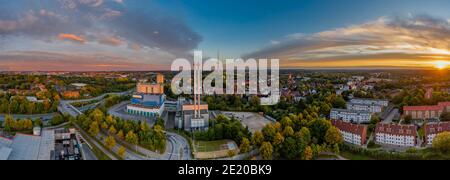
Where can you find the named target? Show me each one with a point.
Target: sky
(122, 35)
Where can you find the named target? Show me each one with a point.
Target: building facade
(394, 134)
(348, 115)
(373, 108)
(149, 99)
(352, 133)
(192, 116)
(379, 102)
(432, 129)
(423, 112)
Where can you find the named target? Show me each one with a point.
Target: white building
(352, 133)
(353, 116)
(373, 108)
(393, 134)
(379, 102)
(432, 129)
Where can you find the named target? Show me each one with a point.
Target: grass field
(208, 146)
(214, 149)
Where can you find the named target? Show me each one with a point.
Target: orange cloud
(71, 37)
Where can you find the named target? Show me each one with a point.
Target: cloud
(413, 35)
(71, 37)
(93, 18)
(110, 40)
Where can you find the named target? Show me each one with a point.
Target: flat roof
(5, 152)
(29, 147)
(351, 111)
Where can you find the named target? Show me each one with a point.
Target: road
(391, 116)
(179, 148)
(44, 117)
(95, 143)
(119, 111)
(99, 97)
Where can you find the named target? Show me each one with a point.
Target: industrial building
(149, 99)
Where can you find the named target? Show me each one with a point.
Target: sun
(440, 64)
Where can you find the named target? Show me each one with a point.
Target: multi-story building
(373, 108)
(192, 116)
(353, 116)
(149, 99)
(394, 134)
(352, 133)
(423, 112)
(379, 102)
(445, 105)
(149, 105)
(432, 129)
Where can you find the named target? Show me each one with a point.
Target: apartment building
(423, 112)
(348, 115)
(352, 133)
(432, 129)
(373, 108)
(394, 134)
(379, 102)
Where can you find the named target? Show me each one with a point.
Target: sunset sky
(109, 35)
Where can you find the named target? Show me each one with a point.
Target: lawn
(351, 156)
(208, 146)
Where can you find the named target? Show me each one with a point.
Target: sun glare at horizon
(441, 64)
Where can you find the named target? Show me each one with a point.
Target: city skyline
(123, 35)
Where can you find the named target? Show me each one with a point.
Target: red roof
(395, 129)
(444, 104)
(423, 108)
(435, 128)
(349, 127)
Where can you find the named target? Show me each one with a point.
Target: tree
(288, 131)
(278, 141)
(339, 102)
(160, 122)
(38, 122)
(57, 120)
(318, 129)
(104, 125)
(245, 145)
(9, 123)
(442, 142)
(120, 134)
(121, 152)
(269, 132)
(97, 115)
(110, 142)
(231, 153)
(27, 124)
(333, 136)
(94, 129)
(407, 119)
(131, 138)
(305, 135)
(291, 148)
(445, 116)
(266, 151)
(336, 148)
(308, 153)
(112, 130)
(257, 138)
